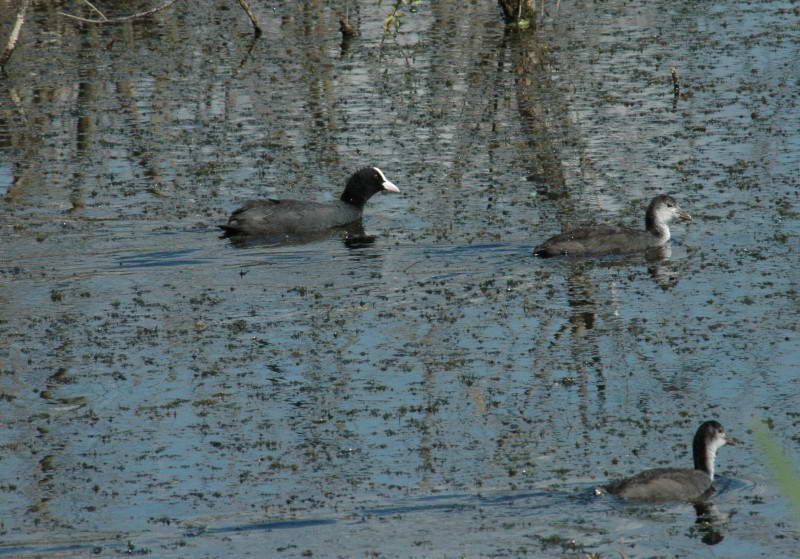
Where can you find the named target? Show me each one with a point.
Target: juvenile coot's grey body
(272, 217)
(608, 239)
(678, 484)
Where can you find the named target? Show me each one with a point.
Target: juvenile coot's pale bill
(272, 217)
(678, 484)
(609, 239)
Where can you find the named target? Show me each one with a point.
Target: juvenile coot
(678, 484)
(272, 217)
(608, 239)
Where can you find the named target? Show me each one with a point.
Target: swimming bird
(602, 240)
(272, 217)
(678, 484)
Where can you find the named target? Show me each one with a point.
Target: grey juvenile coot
(608, 239)
(272, 217)
(678, 484)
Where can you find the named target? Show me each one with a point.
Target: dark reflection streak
(465, 115)
(540, 106)
(349, 30)
(459, 56)
(13, 94)
(84, 122)
(87, 88)
(542, 113)
(316, 66)
(267, 526)
(42, 549)
(665, 274)
(500, 78)
(708, 524)
(583, 343)
(477, 105)
(352, 236)
(85, 108)
(25, 134)
(392, 511)
(246, 56)
(142, 127)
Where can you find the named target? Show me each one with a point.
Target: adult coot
(678, 484)
(608, 239)
(272, 217)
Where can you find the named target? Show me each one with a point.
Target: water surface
(438, 392)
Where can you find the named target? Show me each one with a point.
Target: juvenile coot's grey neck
(708, 439)
(659, 229)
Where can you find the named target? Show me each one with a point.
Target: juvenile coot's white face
(668, 209)
(718, 439)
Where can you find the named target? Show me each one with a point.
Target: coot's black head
(709, 438)
(364, 184)
(662, 210)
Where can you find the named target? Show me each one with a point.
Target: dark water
(437, 392)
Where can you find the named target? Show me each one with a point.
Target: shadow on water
(160, 259)
(352, 236)
(506, 510)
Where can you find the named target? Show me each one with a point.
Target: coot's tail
(543, 251)
(229, 231)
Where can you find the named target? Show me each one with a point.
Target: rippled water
(439, 391)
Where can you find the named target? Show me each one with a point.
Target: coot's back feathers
(678, 484)
(608, 239)
(595, 241)
(664, 484)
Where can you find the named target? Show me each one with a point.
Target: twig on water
(676, 88)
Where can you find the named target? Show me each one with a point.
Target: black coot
(678, 484)
(272, 217)
(608, 239)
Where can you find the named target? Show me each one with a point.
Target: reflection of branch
(393, 18)
(92, 6)
(104, 19)
(12, 39)
(252, 16)
(517, 11)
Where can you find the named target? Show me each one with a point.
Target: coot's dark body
(602, 240)
(664, 484)
(272, 217)
(678, 484)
